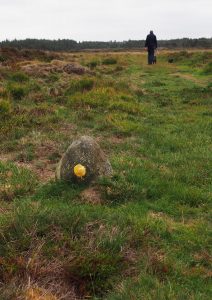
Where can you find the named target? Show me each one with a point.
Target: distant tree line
(71, 45)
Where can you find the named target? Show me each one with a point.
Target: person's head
(151, 31)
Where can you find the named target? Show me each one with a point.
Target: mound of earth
(12, 55)
(41, 70)
(56, 66)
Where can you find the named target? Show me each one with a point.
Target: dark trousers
(151, 54)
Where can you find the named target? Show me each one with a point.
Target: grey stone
(87, 152)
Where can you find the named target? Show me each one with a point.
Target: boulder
(87, 152)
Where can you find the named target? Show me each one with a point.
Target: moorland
(145, 232)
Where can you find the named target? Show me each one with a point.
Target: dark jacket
(151, 41)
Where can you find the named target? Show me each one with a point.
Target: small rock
(87, 152)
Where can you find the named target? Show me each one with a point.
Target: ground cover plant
(145, 233)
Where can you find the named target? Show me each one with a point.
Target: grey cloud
(104, 19)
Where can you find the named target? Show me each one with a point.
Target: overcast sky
(104, 19)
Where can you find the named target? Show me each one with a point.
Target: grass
(16, 91)
(109, 61)
(207, 69)
(80, 86)
(19, 77)
(15, 182)
(146, 234)
(5, 108)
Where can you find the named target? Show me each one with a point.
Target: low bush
(16, 91)
(93, 64)
(19, 77)
(5, 108)
(192, 59)
(109, 61)
(179, 56)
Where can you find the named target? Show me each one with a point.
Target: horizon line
(104, 41)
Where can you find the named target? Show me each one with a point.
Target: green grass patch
(17, 91)
(15, 181)
(82, 85)
(109, 61)
(19, 77)
(5, 108)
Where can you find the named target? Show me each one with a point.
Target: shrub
(19, 77)
(189, 58)
(2, 58)
(109, 61)
(93, 64)
(5, 108)
(179, 56)
(17, 92)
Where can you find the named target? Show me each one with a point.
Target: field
(143, 234)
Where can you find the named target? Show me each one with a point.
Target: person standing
(151, 44)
